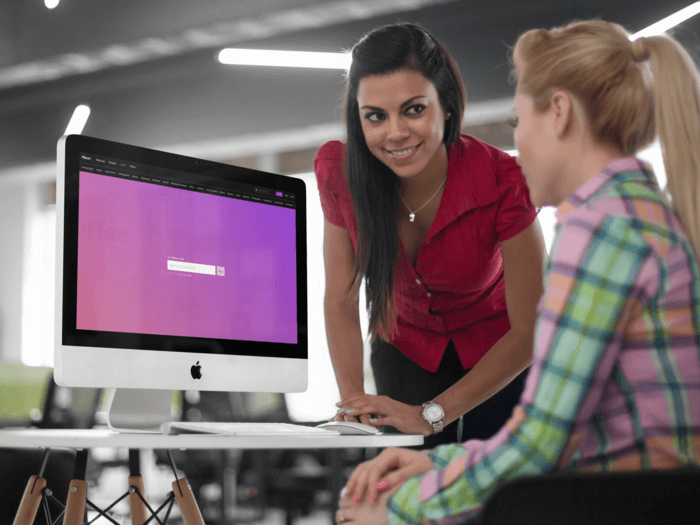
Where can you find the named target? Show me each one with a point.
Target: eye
(374, 116)
(513, 121)
(415, 109)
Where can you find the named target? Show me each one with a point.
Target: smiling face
(403, 122)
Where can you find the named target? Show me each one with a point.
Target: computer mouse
(349, 428)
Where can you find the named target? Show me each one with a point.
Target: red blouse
(456, 289)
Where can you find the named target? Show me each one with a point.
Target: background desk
(103, 438)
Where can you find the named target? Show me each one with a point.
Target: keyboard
(245, 429)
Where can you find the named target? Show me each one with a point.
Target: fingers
(367, 513)
(389, 471)
(371, 406)
(367, 420)
(377, 421)
(364, 478)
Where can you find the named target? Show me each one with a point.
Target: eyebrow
(374, 108)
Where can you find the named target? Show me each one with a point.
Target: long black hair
(375, 187)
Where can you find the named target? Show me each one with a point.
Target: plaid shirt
(615, 379)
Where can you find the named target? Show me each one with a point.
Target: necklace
(412, 214)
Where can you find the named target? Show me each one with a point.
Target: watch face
(433, 413)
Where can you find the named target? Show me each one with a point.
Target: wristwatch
(435, 415)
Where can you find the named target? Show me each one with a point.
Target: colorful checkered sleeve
(592, 273)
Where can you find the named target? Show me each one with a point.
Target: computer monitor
(176, 273)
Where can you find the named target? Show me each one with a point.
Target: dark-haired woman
(441, 228)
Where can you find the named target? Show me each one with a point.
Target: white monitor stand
(137, 410)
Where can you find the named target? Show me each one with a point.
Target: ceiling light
(670, 21)
(260, 57)
(50, 3)
(78, 120)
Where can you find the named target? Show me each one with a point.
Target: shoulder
(641, 208)
(472, 149)
(333, 150)
(474, 155)
(328, 166)
(484, 169)
(596, 227)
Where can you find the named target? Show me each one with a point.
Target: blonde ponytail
(676, 91)
(630, 92)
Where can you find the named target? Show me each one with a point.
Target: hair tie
(640, 53)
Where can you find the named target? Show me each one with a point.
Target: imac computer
(175, 273)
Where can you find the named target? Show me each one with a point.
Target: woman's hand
(385, 474)
(365, 513)
(385, 411)
(342, 415)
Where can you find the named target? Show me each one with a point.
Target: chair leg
(139, 513)
(77, 491)
(75, 505)
(188, 505)
(31, 499)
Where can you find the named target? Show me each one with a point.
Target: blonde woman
(614, 383)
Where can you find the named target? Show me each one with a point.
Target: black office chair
(639, 498)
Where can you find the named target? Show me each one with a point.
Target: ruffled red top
(456, 288)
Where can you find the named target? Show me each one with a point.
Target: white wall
(12, 232)
(318, 402)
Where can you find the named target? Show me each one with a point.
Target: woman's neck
(593, 160)
(423, 184)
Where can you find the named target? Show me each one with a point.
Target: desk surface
(39, 438)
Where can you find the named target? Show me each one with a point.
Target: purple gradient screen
(146, 254)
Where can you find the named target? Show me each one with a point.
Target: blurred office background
(150, 74)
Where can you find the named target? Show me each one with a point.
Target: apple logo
(196, 371)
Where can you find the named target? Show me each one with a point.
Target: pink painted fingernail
(382, 485)
(371, 499)
(355, 498)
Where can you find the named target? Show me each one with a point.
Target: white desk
(86, 439)
(39, 438)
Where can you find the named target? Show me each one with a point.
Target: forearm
(345, 345)
(495, 370)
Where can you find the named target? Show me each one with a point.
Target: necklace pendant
(411, 217)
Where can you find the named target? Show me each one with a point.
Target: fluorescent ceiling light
(50, 3)
(670, 21)
(78, 120)
(260, 57)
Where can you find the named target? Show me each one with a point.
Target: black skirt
(399, 378)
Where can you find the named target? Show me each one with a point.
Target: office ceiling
(148, 68)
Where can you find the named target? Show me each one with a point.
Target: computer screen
(177, 273)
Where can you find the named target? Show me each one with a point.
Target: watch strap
(440, 423)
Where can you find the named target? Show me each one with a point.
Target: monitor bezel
(74, 344)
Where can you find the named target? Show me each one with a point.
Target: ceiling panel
(189, 96)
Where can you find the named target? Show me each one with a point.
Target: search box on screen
(181, 266)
